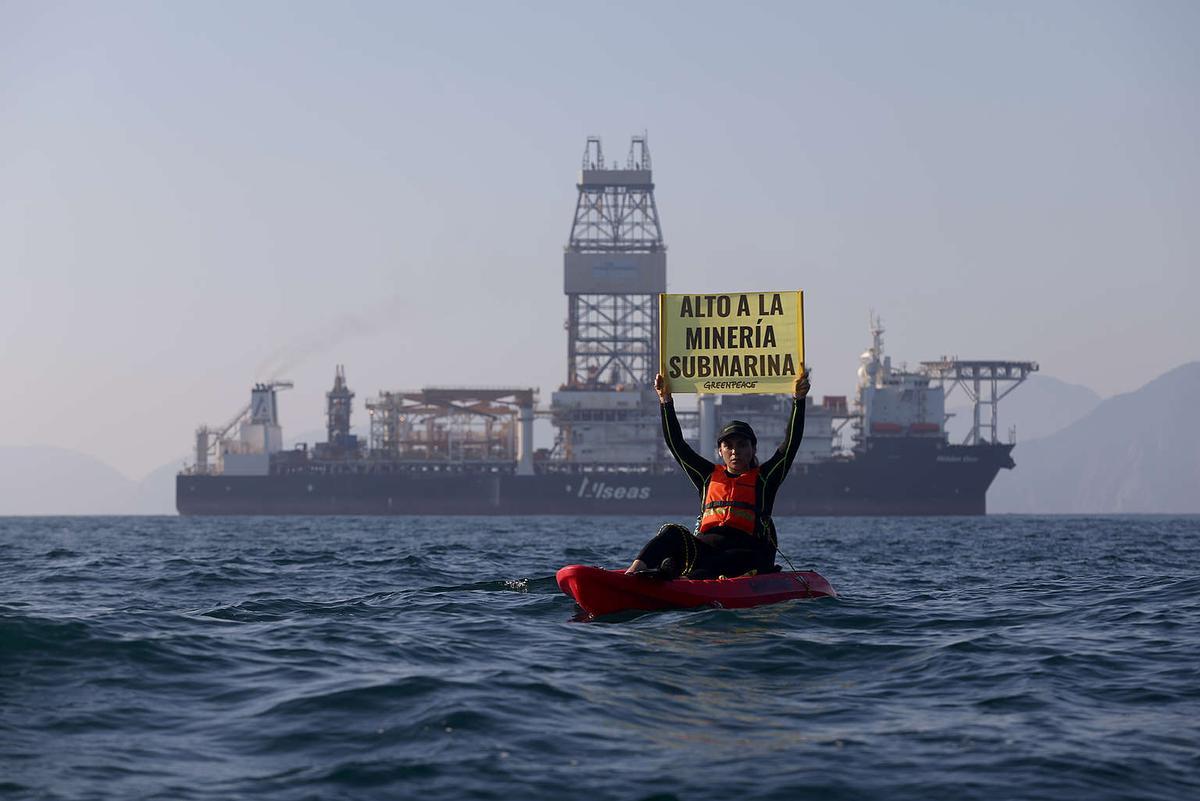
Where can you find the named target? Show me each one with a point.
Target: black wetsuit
(723, 551)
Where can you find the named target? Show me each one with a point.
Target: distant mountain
(155, 493)
(1037, 408)
(1133, 453)
(55, 481)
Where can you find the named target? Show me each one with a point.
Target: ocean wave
(351, 658)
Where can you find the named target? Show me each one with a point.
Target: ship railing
(379, 466)
(574, 468)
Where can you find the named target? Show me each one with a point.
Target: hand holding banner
(736, 343)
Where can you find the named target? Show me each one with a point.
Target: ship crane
(208, 437)
(981, 380)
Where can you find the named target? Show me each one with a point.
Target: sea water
(359, 658)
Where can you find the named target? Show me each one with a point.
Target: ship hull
(893, 478)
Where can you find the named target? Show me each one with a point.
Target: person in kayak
(734, 533)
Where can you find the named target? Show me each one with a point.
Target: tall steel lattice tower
(614, 267)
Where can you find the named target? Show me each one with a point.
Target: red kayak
(602, 592)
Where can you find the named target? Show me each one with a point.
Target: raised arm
(775, 468)
(695, 466)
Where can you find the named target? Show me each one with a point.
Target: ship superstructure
(894, 403)
(256, 437)
(480, 429)
(470, 450)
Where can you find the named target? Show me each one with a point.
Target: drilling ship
(450, 451)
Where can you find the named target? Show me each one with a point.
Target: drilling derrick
(338, 403)
(614, 267)
(338, 408)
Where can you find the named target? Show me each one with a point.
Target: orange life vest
(731, 501)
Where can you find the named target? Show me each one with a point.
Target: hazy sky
(194, 196)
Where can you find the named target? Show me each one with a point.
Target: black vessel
(441, 451)
(898, 464)
(904, 479)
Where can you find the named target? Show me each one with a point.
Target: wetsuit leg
(673, 542)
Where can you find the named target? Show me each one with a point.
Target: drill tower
(614, 268)
(337, 410)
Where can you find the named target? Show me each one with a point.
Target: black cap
(737, 428)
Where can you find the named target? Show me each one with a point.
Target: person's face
(737, 453)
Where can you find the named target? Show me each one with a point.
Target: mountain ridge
(1132, 454)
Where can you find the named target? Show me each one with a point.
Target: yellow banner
(736, 343)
